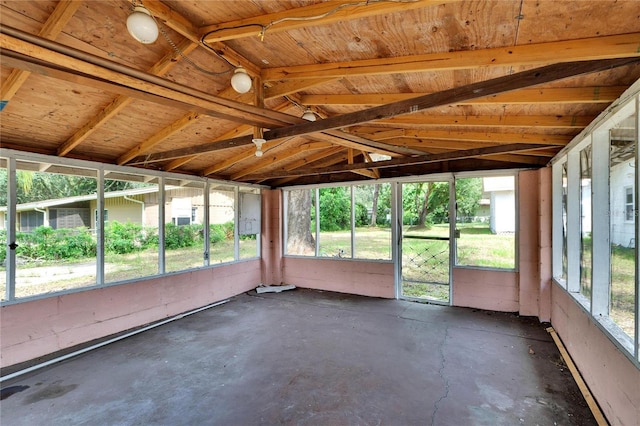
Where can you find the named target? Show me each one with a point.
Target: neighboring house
(183, 206)
(500, 192)
(622, 203)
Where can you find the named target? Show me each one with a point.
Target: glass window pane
(335, 222)
(55, 232)
(373, 221)
(183, 226)
(585, 222)
(249, 225)
(301, 226)
(622, 180)
(222, 209)
(486, 221)
(131, 226)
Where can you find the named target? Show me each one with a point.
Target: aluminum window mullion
(10, 290)
(353, 224)
(637, 232)
(207, 229)
(573, 221)
(317, 192)
(236, 221)
(161, 233)
(557, 241)
(600, 235)
(100, 229)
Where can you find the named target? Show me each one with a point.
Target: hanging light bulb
(142, 26)
(240, 81)
(309, 115)
(258, 142)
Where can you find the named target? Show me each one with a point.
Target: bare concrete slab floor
(312, 358)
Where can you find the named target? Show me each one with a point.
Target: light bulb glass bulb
(309, 115)
(240, 81)
(142, 26)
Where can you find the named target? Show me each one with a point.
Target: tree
(299, 237)
(374, 205)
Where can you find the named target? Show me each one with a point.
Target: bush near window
(45, 243)
(48, 244)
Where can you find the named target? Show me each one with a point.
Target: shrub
(45, 243)
(122, 238)
(178, 236)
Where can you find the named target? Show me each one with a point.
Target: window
(585, 223)
(629, 205)
(595, 188)
(348, 222)
(152, 223)
(486, 221)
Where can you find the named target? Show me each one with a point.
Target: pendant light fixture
(258, 142)
(309, 115)
(142, 26)
(241, 81)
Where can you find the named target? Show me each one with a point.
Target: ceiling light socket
(258, 142)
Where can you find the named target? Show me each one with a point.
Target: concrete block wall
(40, 327)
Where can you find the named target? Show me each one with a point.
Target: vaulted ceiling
(400, 87)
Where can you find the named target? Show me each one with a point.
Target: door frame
(397, 217)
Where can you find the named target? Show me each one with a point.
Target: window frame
(13, 160)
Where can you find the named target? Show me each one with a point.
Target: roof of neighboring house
(78, 198)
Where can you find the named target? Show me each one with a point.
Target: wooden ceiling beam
(497, 85)
(550, 95)
(99, 69)
(307, 16)
(587, 49)
(426, 145)
(122, 101)
(492, 137)
(410, 161)
(184, 27)
(173, 128)
(328, 157)
(293, 86)
(64, 10)
(532, 121)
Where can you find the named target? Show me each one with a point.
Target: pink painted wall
(40, 327)
(271, 237)
(612, 378)
(486, 289)
(528, 226)
(344, 276)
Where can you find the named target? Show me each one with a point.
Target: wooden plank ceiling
(399, 87)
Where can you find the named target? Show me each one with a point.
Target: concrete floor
(311, 358)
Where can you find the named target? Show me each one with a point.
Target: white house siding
(502, 215)
(622, 231)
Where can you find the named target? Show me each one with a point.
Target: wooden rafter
(52, 27)
(122, 101)
(530, 121)
(315, 14)
(412, 161)
(493, 137)
(588, 49)
(184, 27)
(86, 68)
(550, 95)
(173, 128)
(497, 85)
(430, 144)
